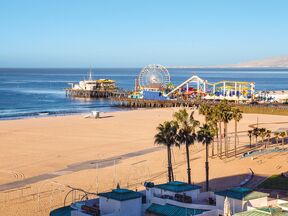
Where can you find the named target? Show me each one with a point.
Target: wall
(239, 205)
(127, 208)
(160, 201)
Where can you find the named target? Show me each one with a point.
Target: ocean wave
(10, 114)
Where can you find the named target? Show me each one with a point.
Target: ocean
(40, 92)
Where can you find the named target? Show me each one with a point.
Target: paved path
(92, 164)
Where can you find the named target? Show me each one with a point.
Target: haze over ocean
(39, 92)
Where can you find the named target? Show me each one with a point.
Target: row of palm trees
(264, 133)
(217, 115)
(184, 130)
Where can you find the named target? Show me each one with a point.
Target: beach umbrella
(227, 208)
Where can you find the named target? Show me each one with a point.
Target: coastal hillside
(268, 62)
(274, 62)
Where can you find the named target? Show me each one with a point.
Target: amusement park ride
(153, 83)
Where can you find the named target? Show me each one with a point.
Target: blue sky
(133, 33)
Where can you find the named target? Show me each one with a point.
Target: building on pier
(101, 88)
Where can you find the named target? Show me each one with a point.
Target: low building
(241, 199)
(175, 190)
(174, 199)
(120, 202)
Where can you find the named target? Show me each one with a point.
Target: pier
(70, 92)
(143, 103)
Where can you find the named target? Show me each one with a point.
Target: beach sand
(45, 155)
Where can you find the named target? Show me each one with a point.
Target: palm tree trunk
(217, 138)
(207, 168)
(213, 148)
(225, 139)
(188, 164)
(235, 141)
(171, 167)
(220, 131)
(250, 138)
(169, 163)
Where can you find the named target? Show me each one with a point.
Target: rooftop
(171, 210)
(121, 194)
(177, 186)
(241, 194)
(265, 211)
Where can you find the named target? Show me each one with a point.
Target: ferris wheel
(154, 76)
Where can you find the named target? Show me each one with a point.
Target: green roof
(241, 194)
(265, 211)
(171, 210)
(121, 194)
(177, 186)
(63, 211)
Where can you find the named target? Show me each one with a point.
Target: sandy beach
(96, 154)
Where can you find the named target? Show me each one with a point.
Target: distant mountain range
(268, 62)
(275, 62)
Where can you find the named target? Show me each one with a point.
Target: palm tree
(218, 117)
(213, 123)
(166, 136)
(205, 110)
(226, 116)
(262, 134)
(186, 134)
(205, 135)
(282, 135)
(250, 134)
(276, 134)
(256, 134)
(237, 116)
(268, 135)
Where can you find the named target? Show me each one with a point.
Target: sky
(134, 33)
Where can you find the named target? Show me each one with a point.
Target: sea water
(40, 92)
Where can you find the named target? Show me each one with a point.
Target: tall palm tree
(205, 135)
(282, 135)
(213, 123)
(268, 135)
(166, 136)
(205, 109)
(276, 134)
(250, 134)
(186, 134)
(262, 134)
(237, 116)
(226, 116)
(217, 112)
(256, 134)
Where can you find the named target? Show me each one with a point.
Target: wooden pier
(142, 103)
(95, 93)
